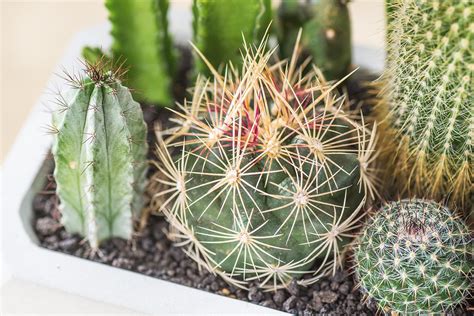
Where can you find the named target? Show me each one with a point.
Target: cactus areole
(99, 153)
(415, 257)
(266, 173)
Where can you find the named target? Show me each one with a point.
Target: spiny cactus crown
(265, 173)
(99, 153)
(430, 95)
(415, 256)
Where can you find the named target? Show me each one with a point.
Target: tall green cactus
(266, 175)
(141, 39)
(415, 258)
(100, 156)
(326, 33)
(218, 27)
(292, 15)
(428, 97)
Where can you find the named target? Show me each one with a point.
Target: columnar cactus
(428, 97)
(218, 27)
(292, 15)
(100, 156)
(415, 257)
(326, 33)
(141, 40)
(266, 174)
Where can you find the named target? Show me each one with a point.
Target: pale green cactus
(100, 156)
(218, 28)
(266, 174)
(415, 258)
(427, 111)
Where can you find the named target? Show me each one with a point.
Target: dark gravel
(152, 254)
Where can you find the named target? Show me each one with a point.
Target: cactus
(100, 155)
(292, 15)
(141, 39)
(428, 95)
(415, 257)
(266, 174)
(218, 27)
(326, 33)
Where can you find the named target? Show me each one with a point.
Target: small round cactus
(428, 98)
(266, 173)
(415, 256)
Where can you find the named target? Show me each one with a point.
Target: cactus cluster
(266, 175)
(99, 152)
(326, 35)
(415, 257)
(427, 111)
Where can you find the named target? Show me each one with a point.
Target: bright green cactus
(326, 33)
(142, 41)
(100, 156)
(415, 257)
(428, 98)
(266, 174)
(218, 27)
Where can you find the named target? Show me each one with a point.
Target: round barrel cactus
(428, 97)
(266, 174)
(415, 257)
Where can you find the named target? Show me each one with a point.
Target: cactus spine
(100, 156)
(141, 39)
(326, 33)
(415, 257)
(218, 28)
(266, 174)
(428, 97)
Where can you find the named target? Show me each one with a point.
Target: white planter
(23, 174)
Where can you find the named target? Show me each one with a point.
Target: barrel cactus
(428, 98)
(415, 257)
(99, 152)
(218, 28)
(266, 174)
(326, 33)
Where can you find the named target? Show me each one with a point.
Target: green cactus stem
(266, 174)
(141, 38)
(415, 258)
(326, 33)
(218, 27)
(100, 156)
(292, 15)
(428, 98)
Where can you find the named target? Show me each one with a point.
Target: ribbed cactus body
(326, 33)
(141, 40)
(415, 257)
(266, 174)
(99, 152)
(218, 28)
(429, 96)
